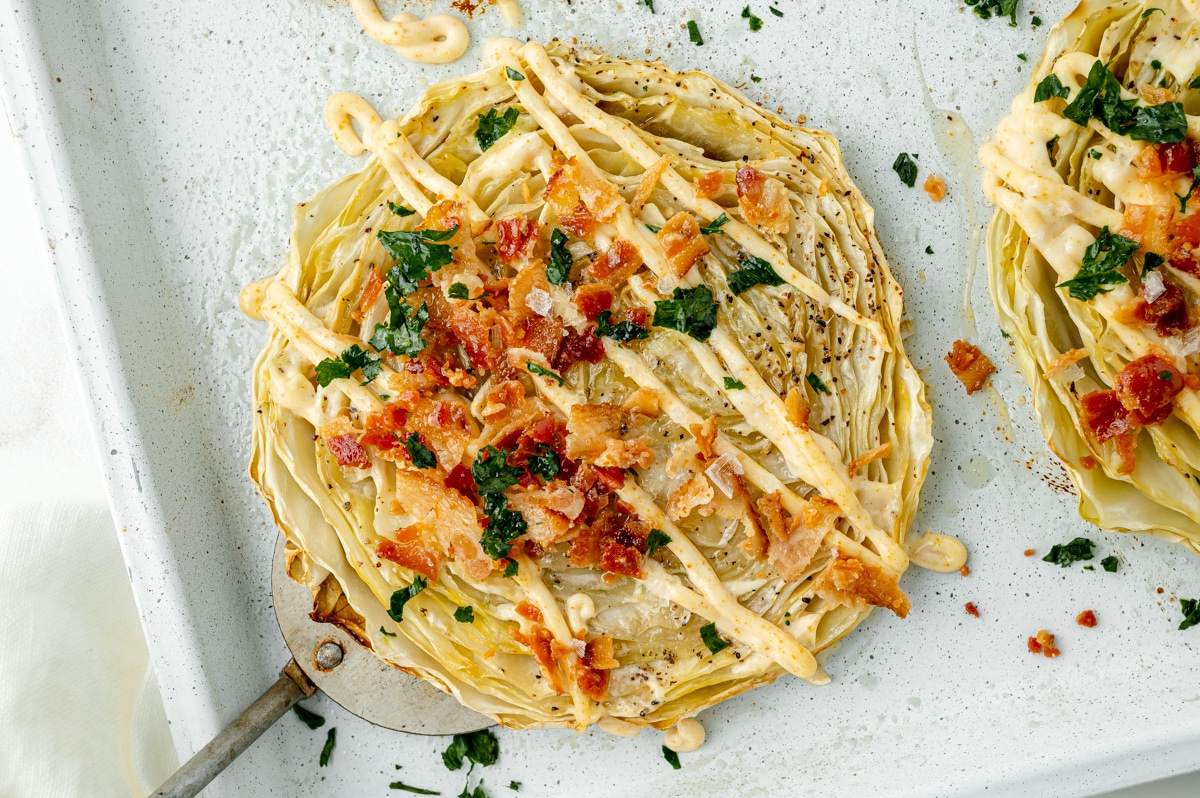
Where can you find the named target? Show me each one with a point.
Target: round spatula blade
(362, 683)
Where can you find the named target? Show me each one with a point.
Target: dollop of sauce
(580, 610)
(439, 39)
(250, 300)
(686, 735)
(937, 552)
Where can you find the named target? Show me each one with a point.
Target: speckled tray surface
(168, 142)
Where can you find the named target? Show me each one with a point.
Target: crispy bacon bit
(546, 652)
(411, 550)
(572, 183)
(763, 200)
(542, 335)
(1043, 644)
(798, 408)
(1087, 462)
(705, 435)
(972, 609)
(794, 542)
(460, 479)
(615, 541)
(1147, 388)
(1028, 552)
(1127, 451)
(964, 571)
(578, 347)
(1192, 381)
(854, 582)
(650, 178)
(1168, 310)
(448, 515)
(1149, 225)
(579, 222)
(869, 456)
(1177, 158)
(592, 682)
(347, 451)
(643, 402)
(682, 242)
(935, 187)
(528, 611)
(501, 399)
(617, 263)
(594, 435)
(1103, 415)
(517, 235)
(709, 183)
(599, 653)
(1063, 362)
(970, 365)
(1086, 618)
(1148, 163)
(370, 293)
(639, 316)
(474, 337)
(593, 299)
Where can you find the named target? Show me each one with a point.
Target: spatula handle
(209, 761)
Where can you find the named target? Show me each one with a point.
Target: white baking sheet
(168, 142)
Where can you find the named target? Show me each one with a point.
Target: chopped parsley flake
(417, 253)
(327, 751)
(755, 22)
(714, 227)
(1050, 86)
(906, 168)
(478, 748)
(1096, 154)
(420, 454)
(402, 336)
(1036, 22)
(386, 633)
(560, 258)
(1156, 64)
(1183, 198)
(648, 4)
(1151, 262)
(492, 473)
(309, 718)
(516, 785)
(399, 785)
(757, 79)
(465, 615)
(694, 33)
(1022, 56)
(733, 385)
(713, 641)
(403, 596)
(622, 332)
(775, 11)
(1101, 266)
(1100, 98)
(817, 383)
(928, 250)
(510, 569)
(1164, 375)
(348, 362)
(656, 539)
(1191, 613)
(691, 311)
(671, 757)
(458, 291)
(534, 368)
(1150, 11)
(492, 127)
(1065, 554)
(513, 74)
(754, 271)
(400, 210)
(1109, 564)
(1195, 84)
(986, 9)
(545, 465)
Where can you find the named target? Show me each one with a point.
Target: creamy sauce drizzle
(439, 39)
(510, 12)
(937, 552)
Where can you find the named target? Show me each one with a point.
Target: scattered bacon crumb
(973, 610)
(1088, 462)
(1029, 552)
(708, 183)
(763, 200)
(970, 365)
(650, 177)
(1127, 451)
(1192, 381)
(1160, 590)
(370, 293)
(935, 187)
(868, 456)
(1063, 362)
(965, 571)
(1086, 618)
(347, 451)
(1043, 644)
(682, 242)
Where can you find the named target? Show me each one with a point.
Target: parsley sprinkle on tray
(309, 718)
(1065, 554)
(671, 757)
(399, 785)
(1109, 564)
(906, 168)
(478, 748)
(755, 22)
(775, 11)
(694, 33)
(986, 9)
(327, 751)
(1191, 613)
(712, 640)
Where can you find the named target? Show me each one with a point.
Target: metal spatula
(324, 658)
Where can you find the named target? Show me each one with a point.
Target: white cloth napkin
(79, 705)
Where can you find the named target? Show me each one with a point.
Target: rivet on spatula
(329, 656)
